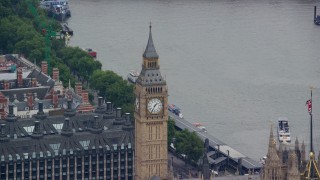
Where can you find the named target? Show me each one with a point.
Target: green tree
(101, 80)
(120, 93)
(190, 144)
(113, 88)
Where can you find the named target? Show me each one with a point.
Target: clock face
(154, 106)
(137, 104)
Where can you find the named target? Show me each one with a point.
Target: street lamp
(172, 161)
(228, 159)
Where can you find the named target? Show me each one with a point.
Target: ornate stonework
(151, 117)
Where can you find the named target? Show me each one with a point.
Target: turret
(272, 167)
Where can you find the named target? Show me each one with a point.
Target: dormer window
(26, 108)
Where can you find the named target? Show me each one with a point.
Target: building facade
(151, 118)
(32, 84)
(96, 145)
(289, 164)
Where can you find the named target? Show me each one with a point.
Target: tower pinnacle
(150, 51)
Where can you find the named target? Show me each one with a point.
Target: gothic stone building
(289, 164)
(98, 145)
(151, 118)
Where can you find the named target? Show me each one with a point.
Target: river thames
(233, 65)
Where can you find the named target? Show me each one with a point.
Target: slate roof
(150, 51)
(42, 78)
(150, 77)
(57, 134)
(19, 93)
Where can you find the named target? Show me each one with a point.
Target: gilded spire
(150, 51)
(311, 171)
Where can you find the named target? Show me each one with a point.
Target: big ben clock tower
(151, 118)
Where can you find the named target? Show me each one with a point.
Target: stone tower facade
(273, 166)
(151, 118)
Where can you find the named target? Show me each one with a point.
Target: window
(58, 126)
(26, 108)
(29, 129)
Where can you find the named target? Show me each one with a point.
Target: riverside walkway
(220, 155)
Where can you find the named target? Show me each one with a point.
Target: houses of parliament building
(289, 164)
(104, 144)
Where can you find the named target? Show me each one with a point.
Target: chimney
(118, 113)
(44, 67)
(128, 118)
(6, 85)
(10, 110)
(33, 82)
(66, 128)
(85, 97)
(100, 109)
(19, 77)
(69, 104)
(127, 125)
(55, 74)
(30, 101)
(40, 107)
(69, 112)
(36, 129)
(40, 114)
(95, 122)
(100, 101)
(11, 117)
(96, 126)
(37, 133)
(109, 107)
(78, 88)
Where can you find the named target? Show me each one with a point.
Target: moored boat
(91, 52)
(283, 130)
(46, 4)
(59, 12)
(133, 76)
(65, 29)
(175, 110)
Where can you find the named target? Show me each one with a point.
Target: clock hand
(154, 107)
